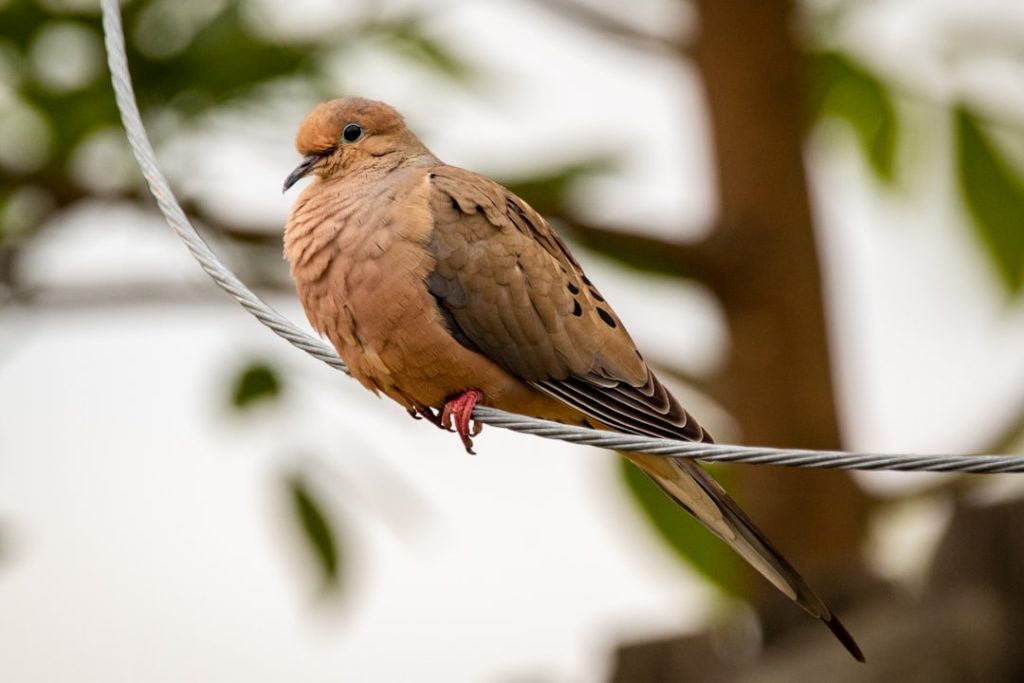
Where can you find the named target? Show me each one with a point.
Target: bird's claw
(459, 411)
(421, 412)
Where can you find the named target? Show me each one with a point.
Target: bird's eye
(352, 132)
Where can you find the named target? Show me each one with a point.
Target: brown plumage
(439, 287)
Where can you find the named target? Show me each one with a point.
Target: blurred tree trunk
(778, 383)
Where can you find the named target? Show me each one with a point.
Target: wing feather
(509, 288)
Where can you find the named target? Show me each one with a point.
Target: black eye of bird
(352, 132)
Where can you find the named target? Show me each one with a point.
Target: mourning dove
(443, 290)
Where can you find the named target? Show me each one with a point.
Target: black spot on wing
(606, 317)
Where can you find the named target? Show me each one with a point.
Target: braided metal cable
(117, 60)
(172, 211)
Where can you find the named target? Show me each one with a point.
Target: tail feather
(693, 488)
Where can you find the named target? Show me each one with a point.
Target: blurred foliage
(188, 58)
(549, 190)
(994, 195)
(408, 36)
(316, 529)
(842, 88)
(185, 62)
(690, 541)
(839, 87)
(256, 383)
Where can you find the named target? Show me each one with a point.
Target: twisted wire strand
(117, 60)
(226, 280)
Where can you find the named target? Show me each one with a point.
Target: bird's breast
(360, 266)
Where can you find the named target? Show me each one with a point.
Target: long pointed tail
(693, 488)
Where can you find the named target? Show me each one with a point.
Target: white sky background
(150, 537)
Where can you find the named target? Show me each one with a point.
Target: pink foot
(461, 409)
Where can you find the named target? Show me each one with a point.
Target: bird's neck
(383, 164)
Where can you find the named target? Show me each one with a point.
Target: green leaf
(841, 88)
(547, 191)
(692, 543)
(994, 195)
(223, 62)
(408, 37)
(255, 383)
(316, 529)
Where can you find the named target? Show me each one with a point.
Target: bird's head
(352, 133)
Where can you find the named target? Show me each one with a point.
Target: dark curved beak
(301, 171)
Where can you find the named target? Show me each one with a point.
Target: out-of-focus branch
(643, 252)
(114, 295)
(585, 14)
(7, 265)
(258, 235)
(65, 194)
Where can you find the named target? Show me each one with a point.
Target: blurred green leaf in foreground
(256, 383)
(314, 522)
(993, 193)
